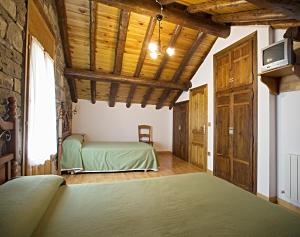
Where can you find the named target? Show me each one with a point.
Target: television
(277, 55)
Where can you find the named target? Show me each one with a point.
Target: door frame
(204, 86)
(186, 102)
(254, 86)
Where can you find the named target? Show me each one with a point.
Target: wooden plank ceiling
(106, 43)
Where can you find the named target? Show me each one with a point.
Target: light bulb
(153, 55)
(152, 47)
(170, 51)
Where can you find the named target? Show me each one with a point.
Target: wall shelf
(275, 77)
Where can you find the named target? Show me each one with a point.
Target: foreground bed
(106, 156)
(181, 205)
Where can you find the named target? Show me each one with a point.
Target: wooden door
(242, 139)
(198, 127)
(180, 129)
(235, 133)
(222, 140)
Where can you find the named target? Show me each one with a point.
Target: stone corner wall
(12, 38)
(13, 15)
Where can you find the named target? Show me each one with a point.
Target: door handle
(204, 129)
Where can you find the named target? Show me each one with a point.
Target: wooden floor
(169, 165)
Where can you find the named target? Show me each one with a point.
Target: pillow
(23, 202)
(76, 139)
(71, 156)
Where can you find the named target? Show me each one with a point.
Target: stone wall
(12, 38)
(12, 56)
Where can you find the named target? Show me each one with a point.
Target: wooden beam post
(107, 77)
(62, 22)
(215, 5)
(173, 15)
(93, 20)
(163, 62)
(142, 57)
(199, 39)
(288, 7)
(281, 24)
(119, 52)
(166, 2)
(254, 15)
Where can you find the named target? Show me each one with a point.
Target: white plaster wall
(205, 76)
(288, 132)
(102, 123)
(288, 136)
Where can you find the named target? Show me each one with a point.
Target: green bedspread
(181, 205)
(118, 156)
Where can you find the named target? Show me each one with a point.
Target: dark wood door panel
(180, 130)
(223, 67)
(242, 64)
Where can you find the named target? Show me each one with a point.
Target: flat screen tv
(277, 55)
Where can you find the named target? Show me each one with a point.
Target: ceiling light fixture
(156, 48)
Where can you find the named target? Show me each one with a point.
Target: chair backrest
(145, 133)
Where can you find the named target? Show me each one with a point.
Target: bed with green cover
(181, 205)
(81, 156)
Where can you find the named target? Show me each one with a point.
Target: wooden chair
(145, 134)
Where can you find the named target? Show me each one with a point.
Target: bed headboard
(64, 130)
(8, 135)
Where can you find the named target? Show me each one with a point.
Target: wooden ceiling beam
(162, 64)
(283, 24)
(288, 7)
(107, 77)
(175, 99)
(93, 14)
(199, 39)
(216, 5)
(62, 23)
(119, 52)
(248, 16)
(114, 87)
(93, 92)
(173, 15)
(93, 20)
(166, 2)
(142, 57)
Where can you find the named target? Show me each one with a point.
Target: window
(42, 142)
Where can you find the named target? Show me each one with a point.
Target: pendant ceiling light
(156, 48)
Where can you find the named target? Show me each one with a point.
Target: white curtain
(42, 141)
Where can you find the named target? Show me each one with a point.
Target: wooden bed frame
(8, 134)
(64, 130)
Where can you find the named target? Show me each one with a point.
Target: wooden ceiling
(106, 43)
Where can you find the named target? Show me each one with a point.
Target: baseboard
(269, 199)
(163, 152)
(210, 172)
(288, 205)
